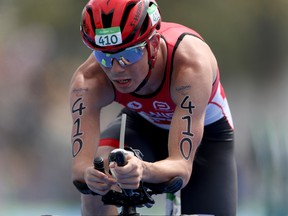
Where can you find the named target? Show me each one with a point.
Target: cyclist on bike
(167, 79)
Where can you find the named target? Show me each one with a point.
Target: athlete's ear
(154, 44)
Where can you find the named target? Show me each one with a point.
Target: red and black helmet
(111, 25)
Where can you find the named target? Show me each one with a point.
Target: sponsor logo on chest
(159, 112)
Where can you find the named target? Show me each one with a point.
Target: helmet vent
(144, 25)
(124, 22)
(126, 14)
(107, 19)
(90, 12)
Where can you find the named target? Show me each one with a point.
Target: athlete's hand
(97, 181)
(130, 175)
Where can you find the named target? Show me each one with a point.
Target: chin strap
(143, 83)
(151, 63)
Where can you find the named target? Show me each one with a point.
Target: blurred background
(40, 48)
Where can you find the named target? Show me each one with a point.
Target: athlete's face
(127, 78)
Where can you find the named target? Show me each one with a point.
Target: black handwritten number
(77, 123)
(77, 107)
(77, 148)
(186, 144)
(80, 107)
(190, 144)
(187, 105)
(188, 132)
(187, 139)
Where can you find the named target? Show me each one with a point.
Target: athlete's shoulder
(171, 25)
(90, 78)
(89, 72)
(193, 61)
(174, 30)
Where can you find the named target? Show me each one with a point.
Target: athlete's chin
(125, 90)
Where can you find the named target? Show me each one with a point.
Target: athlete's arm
(193, 75)
(90, 90)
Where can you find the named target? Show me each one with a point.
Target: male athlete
(167, 79)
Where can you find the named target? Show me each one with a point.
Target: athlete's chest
(158, 109)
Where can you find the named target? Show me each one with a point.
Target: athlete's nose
(116, 67)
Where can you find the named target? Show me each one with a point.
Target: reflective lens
(126, 57)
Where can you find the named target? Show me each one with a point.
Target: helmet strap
(151, 63)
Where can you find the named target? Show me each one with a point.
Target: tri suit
(212, 188)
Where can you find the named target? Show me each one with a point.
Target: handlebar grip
(118, 156)
(99, 164)
(81, 186)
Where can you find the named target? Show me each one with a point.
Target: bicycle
(129, 200)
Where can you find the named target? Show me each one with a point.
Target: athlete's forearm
(164, 170)
(78, 168)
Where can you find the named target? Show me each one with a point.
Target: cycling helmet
(113, 25)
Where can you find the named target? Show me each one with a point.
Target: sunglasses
(126, 57)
